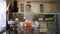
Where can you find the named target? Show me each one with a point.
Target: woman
(28, 14)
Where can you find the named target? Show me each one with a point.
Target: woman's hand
(24, 17)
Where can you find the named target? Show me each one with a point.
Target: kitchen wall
(35, 7)
(58, 7)
(49, 7)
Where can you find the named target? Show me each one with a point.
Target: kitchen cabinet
(48, 23)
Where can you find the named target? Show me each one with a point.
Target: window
(41, 8)
(22, 7)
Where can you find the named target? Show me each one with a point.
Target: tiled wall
(35, 7)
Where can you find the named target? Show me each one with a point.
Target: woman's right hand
(24, 17)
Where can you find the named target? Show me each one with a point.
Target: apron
(28, 15)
